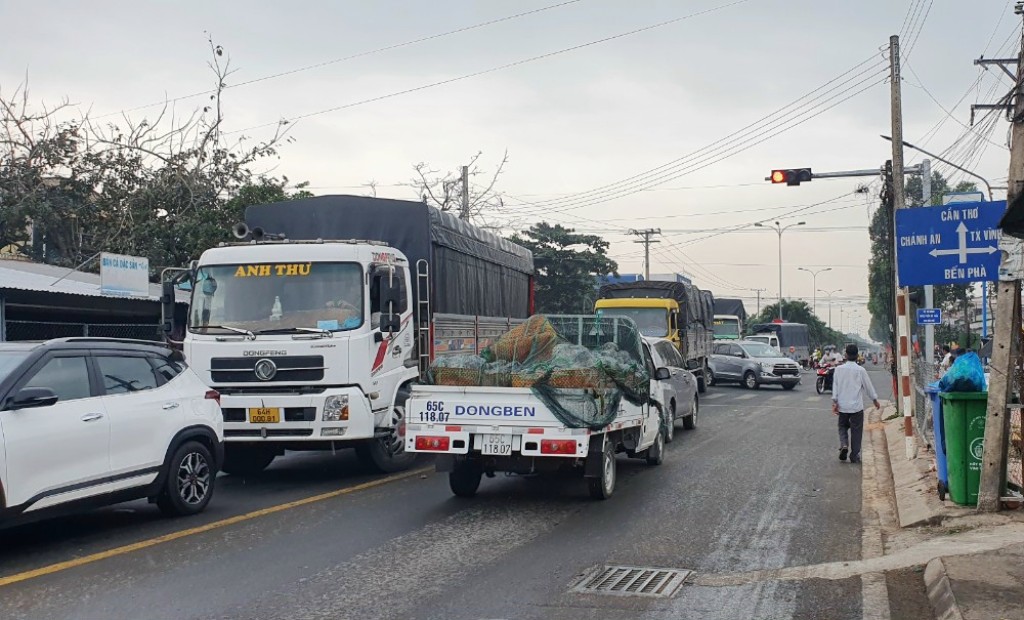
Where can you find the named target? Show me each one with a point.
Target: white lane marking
(813, 399)
(746, 397)
(712, 395)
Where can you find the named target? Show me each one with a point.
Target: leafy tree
(166, 189)
(567, 263)
(798, 311)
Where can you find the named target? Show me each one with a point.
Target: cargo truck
(308, 326)
(730, 318)
(677, 311)
(792, 339)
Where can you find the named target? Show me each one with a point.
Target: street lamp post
(830, 294)
(779, 228)
(814, 285)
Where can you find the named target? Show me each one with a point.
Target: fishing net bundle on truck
(580, 367)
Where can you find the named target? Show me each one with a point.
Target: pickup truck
(483, 430)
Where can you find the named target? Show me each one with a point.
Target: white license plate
(499, 445)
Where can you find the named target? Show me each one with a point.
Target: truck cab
(307, 342)
(654, 317)
(727, 327)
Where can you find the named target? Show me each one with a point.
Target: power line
(326, 63)
(509, 65)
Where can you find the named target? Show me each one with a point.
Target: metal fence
(924, 373)
(45, 330)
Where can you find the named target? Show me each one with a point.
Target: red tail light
(431, 443)
(558, 446)
(213, 395)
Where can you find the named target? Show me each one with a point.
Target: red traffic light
(793, 176)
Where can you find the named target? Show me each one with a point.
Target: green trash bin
(963, 415)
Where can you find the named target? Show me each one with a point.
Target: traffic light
(794, 176)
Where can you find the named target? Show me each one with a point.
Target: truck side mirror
(390, 323)
(167, 306)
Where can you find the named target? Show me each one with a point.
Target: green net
(581, 367)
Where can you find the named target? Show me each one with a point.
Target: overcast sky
(572, 122)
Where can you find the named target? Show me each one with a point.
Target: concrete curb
(940, 592)
(917, 502)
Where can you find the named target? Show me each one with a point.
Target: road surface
(756, 486)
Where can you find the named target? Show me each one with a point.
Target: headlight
(767, 369)
(336, 408)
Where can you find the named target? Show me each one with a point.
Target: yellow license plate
(264, 415)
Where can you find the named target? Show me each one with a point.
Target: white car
(94, 421)
(679, 391)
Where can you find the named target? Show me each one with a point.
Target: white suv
(93, 421)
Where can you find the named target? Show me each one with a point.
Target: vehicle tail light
(213, 395)
(432, 443)
(558, 446)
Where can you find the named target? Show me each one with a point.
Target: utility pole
(647, 240)
(464, 214)
(1006, 333)
(929, 289)
(759, 291)
(899, 202)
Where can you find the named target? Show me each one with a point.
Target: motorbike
(824, 380)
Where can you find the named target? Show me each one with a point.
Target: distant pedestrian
(947, 360)
(850, 384)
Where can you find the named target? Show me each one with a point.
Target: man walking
(850, 384)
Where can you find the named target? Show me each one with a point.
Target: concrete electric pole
(902, 294)
(464, 213)
(1006, 335)
(647, 240)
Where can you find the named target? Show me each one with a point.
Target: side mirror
(662, 374)
(390, 323)
(28, 398)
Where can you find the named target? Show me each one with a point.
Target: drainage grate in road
(633, 581)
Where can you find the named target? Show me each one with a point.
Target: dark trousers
(851, 428)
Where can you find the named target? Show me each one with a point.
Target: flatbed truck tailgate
(497, 421)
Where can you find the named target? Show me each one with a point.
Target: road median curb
(917, 501)
(940, 592)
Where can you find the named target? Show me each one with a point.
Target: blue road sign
(929, 316)
(954, 243)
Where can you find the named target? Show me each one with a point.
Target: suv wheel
(188, 484)
(750, 380)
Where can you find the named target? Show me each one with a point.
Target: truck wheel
(464, 480)
(702, 379)
(603, 486)
(670, 427)
(247, 460)
(750, 380)
(387, 454)
(188, 484)
(690, 421)
(655, 455)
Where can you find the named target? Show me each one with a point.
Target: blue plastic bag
(965, 375)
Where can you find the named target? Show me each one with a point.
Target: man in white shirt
(850, 384)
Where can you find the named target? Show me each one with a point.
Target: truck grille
(289, 368)
(271, 432)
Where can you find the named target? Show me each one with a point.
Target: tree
(798, 311)
(443, 190)
(166, 188)
(567, 264)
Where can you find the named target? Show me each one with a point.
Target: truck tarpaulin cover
(707, 307)
(472, 271)
(790, 334)
(687, 296)
(732, 307)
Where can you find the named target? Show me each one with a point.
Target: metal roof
(29, 276)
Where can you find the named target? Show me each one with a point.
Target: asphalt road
(756, 486)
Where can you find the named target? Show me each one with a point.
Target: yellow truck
(677, 311)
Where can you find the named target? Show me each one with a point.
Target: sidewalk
(988, 585)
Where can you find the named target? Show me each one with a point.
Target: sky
(604, 138)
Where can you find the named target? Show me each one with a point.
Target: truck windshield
(277, 296)
(651, 322)
(727, 328)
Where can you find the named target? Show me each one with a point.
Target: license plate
(498, 445)
(264, 415)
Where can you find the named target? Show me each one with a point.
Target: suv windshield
(652, 322)
(757, 349)
(9, 360)
(277, 296)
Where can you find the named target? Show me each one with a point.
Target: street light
(830, 294)
(779, 228)
(814, 285)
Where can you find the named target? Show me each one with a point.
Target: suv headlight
(767, 368)
(336, 408)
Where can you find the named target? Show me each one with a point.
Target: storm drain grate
(633, 581)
